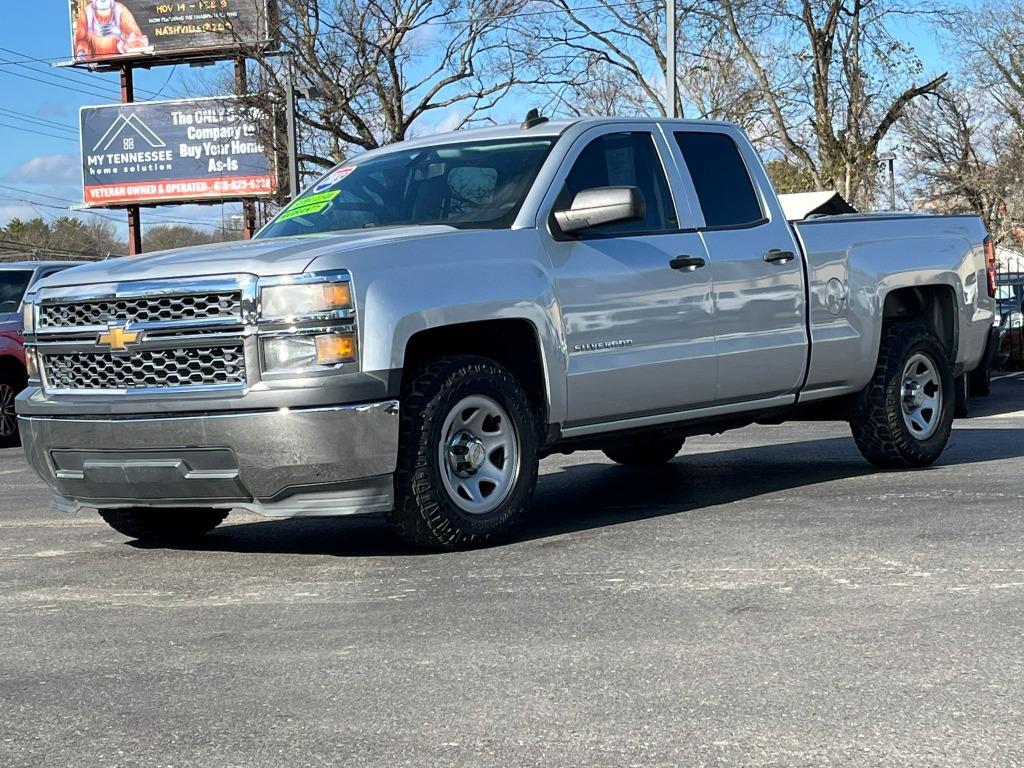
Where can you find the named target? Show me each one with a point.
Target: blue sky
(39, 112)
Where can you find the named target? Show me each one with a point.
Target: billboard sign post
(120, 31)
(174, 151)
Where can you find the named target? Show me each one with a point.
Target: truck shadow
(575, 497)
(1007, 397)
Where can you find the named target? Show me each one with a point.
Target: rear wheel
(644, 450)
(908, 406)
(10, 386)
(169, 525)
(467, 461)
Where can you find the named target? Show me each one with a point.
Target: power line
(49, 249)
(52, 84)
(60, 75)
(102, 216)
(35, 132)
(41, 121)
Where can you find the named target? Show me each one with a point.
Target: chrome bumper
(286, 462)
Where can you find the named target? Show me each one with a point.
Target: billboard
(175, 151)
(121, 30)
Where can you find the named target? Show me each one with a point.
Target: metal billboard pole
(134, 216)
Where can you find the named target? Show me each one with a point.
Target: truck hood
(274, 256)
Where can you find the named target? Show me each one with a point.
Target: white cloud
(52, 109)
(450, 120)
(48, 169)
(17, 211)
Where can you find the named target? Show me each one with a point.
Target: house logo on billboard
(128, 146)
(128, 128)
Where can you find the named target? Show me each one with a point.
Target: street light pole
(670, 56)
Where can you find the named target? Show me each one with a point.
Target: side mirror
(602, 205)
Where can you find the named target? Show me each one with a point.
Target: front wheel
(467, 457)
(908, 407)
(153, 524)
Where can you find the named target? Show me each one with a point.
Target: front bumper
(284, 462)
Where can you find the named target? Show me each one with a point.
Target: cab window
(724, 189)
(623, 160)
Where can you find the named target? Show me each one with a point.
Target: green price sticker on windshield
(310, 205)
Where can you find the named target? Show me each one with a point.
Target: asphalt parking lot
(766, 600)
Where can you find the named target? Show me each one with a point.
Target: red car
(15, 280)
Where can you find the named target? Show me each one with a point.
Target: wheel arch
(513, 342)
(9, 364)
(935, 305)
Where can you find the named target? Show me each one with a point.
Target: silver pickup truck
(412, 334)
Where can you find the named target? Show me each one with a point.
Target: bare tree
(991, 40)
(965, 157)
(612, 60)
(379, 68)
(834, 77)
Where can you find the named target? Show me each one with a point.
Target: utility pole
(248, 204)
(293, 155)
(670, 56)
(134, 217)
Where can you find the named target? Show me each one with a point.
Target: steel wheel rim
(921, 396)
(8, 418)
(478, 454)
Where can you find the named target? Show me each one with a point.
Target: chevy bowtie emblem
(117, 338)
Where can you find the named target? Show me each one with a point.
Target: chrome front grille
(225, 305)
(158, 337)
(158, 369)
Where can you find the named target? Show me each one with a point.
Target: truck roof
(547, 129)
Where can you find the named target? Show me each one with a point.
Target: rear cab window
(724, 189)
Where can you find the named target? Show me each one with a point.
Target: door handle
(687, 263)
(778, 256)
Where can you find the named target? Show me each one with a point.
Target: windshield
(13, 284)
(470, 186)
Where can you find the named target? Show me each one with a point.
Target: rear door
(640, 333)
(758, 273)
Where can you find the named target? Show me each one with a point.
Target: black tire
(980, 381)
(644, 450)
(163, 525)
(962, 407)
(426, 512)
(11, 383)
(881, 432)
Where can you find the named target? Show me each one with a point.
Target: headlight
(284, 302)
(28, 317)
(312, 351)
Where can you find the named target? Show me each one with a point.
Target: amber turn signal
(335, 296)
(333, 348)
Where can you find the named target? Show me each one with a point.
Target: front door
(636, 296)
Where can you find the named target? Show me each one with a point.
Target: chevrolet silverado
(413, 333)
